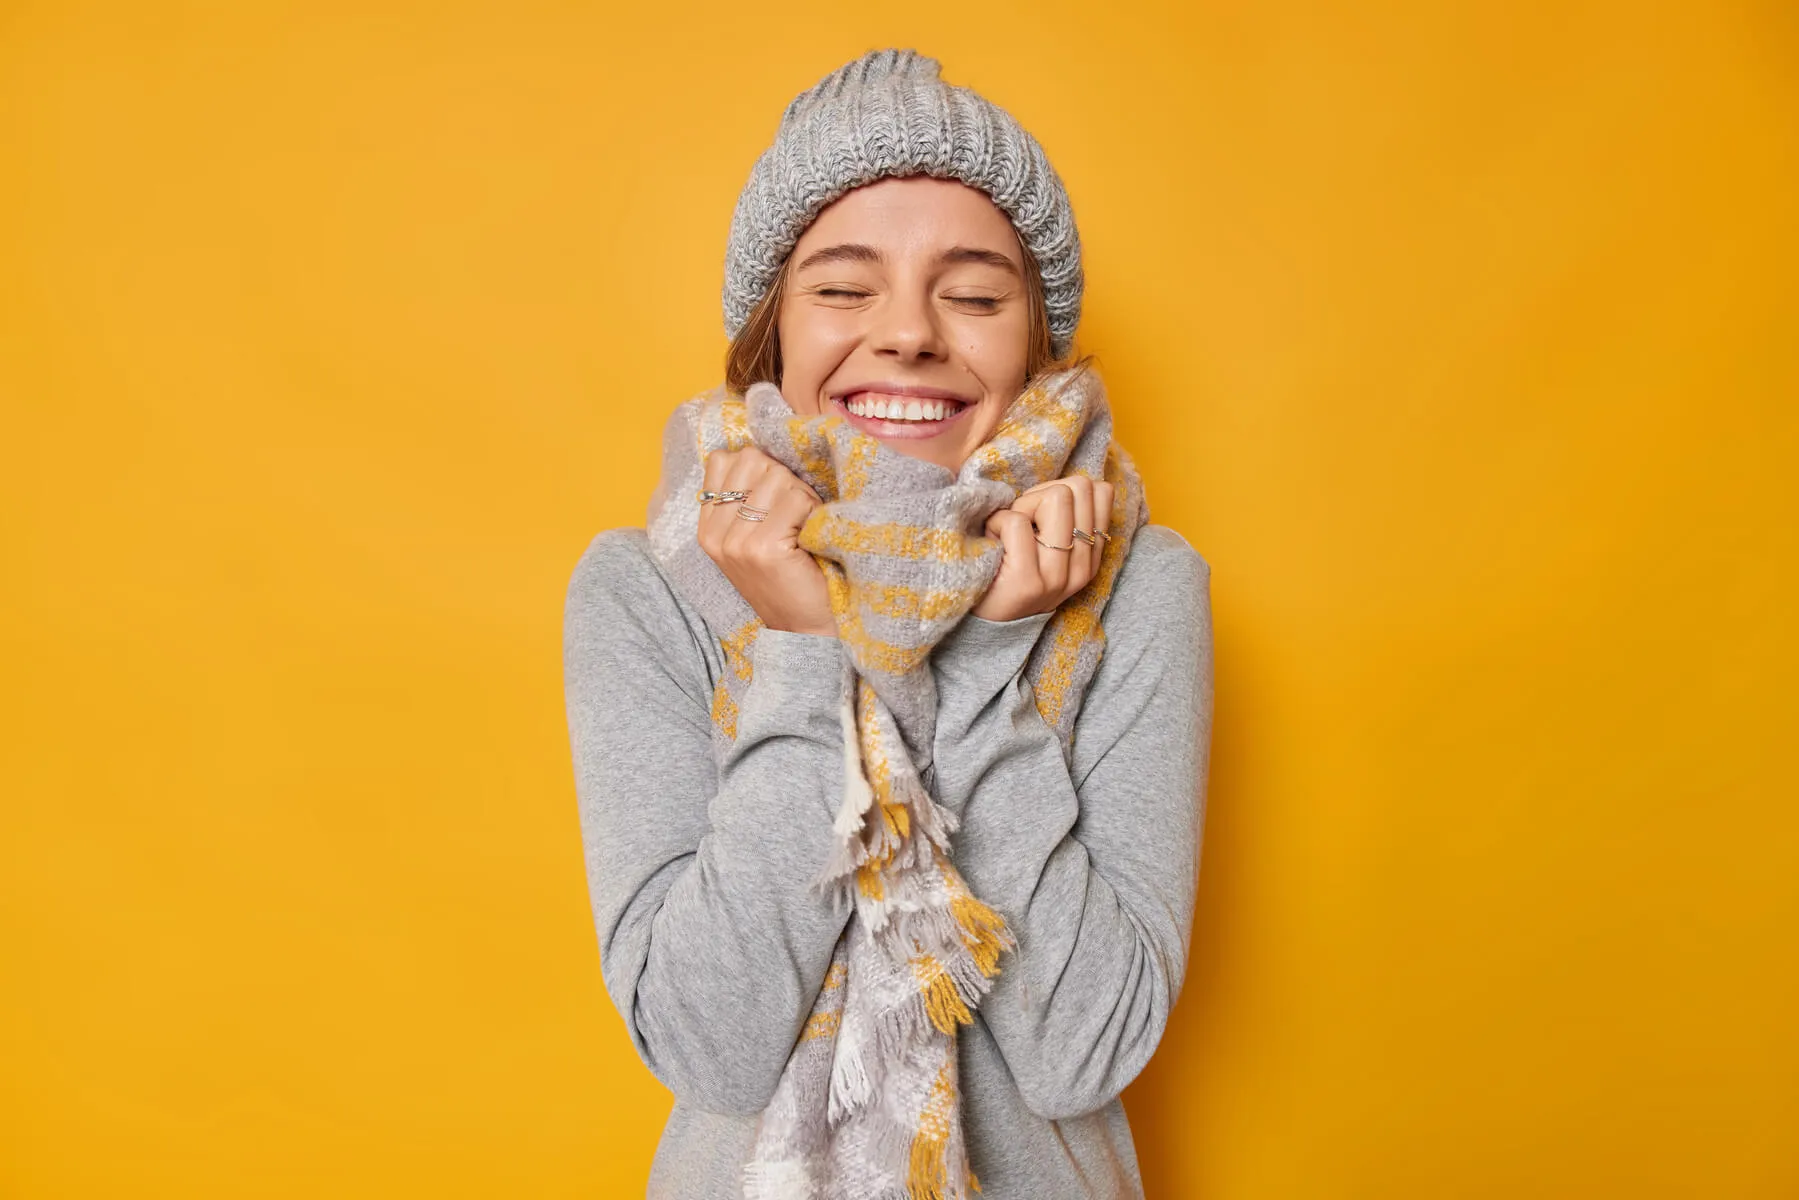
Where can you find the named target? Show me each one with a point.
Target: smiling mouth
(890, 415)
(885, 406)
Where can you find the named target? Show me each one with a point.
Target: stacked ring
(749, 512)
(709, 497)
(1090, 536)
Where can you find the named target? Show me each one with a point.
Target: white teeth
(897, 409)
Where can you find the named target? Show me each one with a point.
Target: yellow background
(1459, 338)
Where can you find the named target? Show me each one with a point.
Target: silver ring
(705, 497)
(1085, 536)
(749, 512)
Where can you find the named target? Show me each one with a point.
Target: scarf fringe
(924, 838)
(924, 1017)
(858, 797)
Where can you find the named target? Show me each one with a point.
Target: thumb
(811, 534)
(1014, 531)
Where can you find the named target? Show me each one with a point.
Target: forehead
(915, 214)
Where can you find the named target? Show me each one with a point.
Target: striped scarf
(867, 1106)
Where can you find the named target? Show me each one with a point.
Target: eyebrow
(860, 252)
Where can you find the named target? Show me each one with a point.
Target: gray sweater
(713, 945)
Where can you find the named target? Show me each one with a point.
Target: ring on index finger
(710, 497)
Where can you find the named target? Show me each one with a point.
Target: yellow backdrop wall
(1459, 339)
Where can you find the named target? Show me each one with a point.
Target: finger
(1104, 495)
(1047, 484)
(751, 474)
(1081, 485)
(1085, 557)
(788, 507)
(1018, 552)
(1052, 513)
(718, 465)
(750, 465)
(773, 469)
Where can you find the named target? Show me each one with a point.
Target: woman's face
(906, 311)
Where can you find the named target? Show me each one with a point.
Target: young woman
(891, 728)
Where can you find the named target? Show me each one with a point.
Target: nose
(907, 329)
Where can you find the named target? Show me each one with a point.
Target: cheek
(812, 347)
(997, 351)
(997, 355)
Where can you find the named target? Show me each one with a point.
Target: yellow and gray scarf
(868, 1107)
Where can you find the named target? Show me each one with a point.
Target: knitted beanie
(889, 113)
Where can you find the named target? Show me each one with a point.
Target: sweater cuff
(984, 655)
(796, 684)
(801, 655)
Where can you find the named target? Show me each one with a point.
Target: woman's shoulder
(1162, 568)
(1160, 610)
(618, 589)
(617, 561)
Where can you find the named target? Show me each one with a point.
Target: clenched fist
(1036, 573)
(763, 559)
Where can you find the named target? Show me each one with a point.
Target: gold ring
(1047, 546)
(749, 512)
(1085, 536)
(706, 497)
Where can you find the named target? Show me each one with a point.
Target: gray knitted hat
(889, 113)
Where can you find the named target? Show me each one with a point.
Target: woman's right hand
(763, 559)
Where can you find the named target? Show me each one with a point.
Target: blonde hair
(755, 353)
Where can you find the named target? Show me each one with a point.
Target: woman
(865, 616)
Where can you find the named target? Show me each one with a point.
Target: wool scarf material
(868, 1106)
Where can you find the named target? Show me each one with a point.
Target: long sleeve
(1092, 861)
(712, 943)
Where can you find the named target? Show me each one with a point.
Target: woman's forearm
(1093, 862)
(713, 942)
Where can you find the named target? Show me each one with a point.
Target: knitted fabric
(867, 1106)
(889, 114)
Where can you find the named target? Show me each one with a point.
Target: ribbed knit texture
(868, 1106)
(889, 113)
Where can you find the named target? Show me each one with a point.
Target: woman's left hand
(1043, 562)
